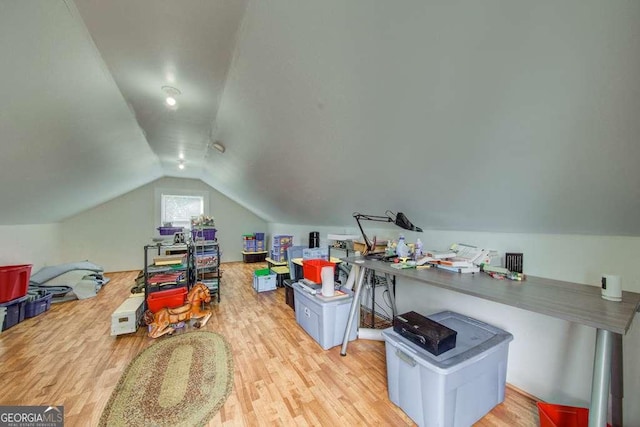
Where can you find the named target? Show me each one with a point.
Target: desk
(281, 274)
(568, 301)
(273, 263)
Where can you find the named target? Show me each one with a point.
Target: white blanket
(70, 281)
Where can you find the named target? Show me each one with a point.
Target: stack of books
(456, 265)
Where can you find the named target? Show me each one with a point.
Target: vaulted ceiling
(473, 115)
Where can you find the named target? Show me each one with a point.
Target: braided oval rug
(181, 380)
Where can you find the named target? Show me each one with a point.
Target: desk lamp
(398, 219)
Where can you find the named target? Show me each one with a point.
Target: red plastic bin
(170, 298)
(312, 268)
(14, 281)
(562, 416)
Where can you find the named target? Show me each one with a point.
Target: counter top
(569, 301)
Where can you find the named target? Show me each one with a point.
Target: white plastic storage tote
(324, 320)
(264, 280)
(459, 386)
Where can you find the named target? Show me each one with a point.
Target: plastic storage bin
(295, 270)
(459, 386)
(200, 234)
(278, 256)
(316, 253)
(14, 281)
(282, 240)
(312, 268)
(170, 298)
(562, 416)
(3, 312)
(324, 320)
(280, 251)
(170, 231)
(206, 260)
(248, 243)
(38, 304)
(264, 280)
(14, 313)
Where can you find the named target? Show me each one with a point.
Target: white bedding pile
(70, 281)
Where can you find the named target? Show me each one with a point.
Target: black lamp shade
(403, 222)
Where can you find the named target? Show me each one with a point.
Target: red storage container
(312, 268)
(170, 298)
(552, 415)
(14, 281)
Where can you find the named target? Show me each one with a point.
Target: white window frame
(159, 192)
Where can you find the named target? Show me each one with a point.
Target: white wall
(113, 234)
(39, 245)
(549, 358)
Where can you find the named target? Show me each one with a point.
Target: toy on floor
(161, 321)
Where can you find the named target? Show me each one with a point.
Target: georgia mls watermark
(31, 416)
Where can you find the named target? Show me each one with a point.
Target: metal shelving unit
(151, 270)
(207, 262)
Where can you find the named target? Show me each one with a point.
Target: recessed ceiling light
(171, 93)
(180, 164)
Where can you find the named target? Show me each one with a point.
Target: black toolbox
(434, 337)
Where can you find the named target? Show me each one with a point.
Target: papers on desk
(459, 258)
(475, 255)
(472, 269)
(455, 262)
(440, 254)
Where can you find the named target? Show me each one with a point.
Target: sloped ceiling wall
(494, 116)
(69, 141)
(488, 116)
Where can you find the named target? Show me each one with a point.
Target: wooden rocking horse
(161, 321)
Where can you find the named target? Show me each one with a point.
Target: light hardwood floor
(66, 356)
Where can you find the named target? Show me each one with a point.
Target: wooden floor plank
(66, 356)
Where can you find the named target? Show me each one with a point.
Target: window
(177, 207)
